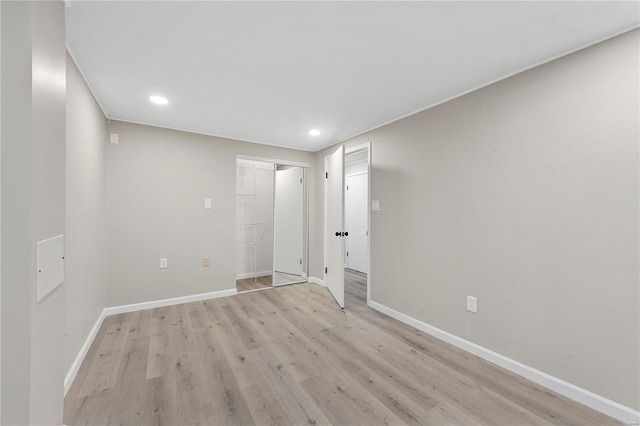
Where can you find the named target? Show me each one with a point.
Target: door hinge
(301, 261)
(300, 180)
(325, 269)
(347, 187)
(326, 175)
(347, 254)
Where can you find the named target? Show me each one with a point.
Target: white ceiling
(269, 72)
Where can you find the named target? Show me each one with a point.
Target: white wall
(33, 208)
(85, 254)
(157, 180)
(525, 195)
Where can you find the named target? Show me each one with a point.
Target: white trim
(578, 394)
(196, 132)
(318, 281)
(272, 160)
(168, 302)
(86, 81)
(495, 80)
(250, 164)
(351, 163)
(357, 148)
(73, 371)
(346, 175)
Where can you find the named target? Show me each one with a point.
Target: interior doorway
(356, 217)
(347, 221)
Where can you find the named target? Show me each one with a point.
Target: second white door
(356, 218)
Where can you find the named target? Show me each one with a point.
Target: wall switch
(375, 205)
(163, 263)
(472, 304)
(205, 262)
(113, 138)
(207, 203)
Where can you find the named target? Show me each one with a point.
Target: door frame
(306, 173)
(366, 146)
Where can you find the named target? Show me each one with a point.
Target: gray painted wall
(525, 195)
(33, 208)
(157, 180)
(16, 248)
(0, 215)
(86, 245)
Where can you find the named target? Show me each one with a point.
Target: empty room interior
(317, 212)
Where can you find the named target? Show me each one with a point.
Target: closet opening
(271, 223)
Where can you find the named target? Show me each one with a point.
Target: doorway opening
(271, 223)
(356, 219)
(347, 220)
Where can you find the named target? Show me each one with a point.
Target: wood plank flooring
(254, 283)
(290, 356)
(281, 278)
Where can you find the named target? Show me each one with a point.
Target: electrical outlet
(205, 262)
(163, 263)
(472, 304)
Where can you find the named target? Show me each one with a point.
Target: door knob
(337, 234)
(346, 234)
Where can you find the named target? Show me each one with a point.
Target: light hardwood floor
(254, 283)
(281, 278)
(289, 355)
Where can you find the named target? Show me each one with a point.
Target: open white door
(333, 224)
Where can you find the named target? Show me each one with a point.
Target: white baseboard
(168, 302)
(73, 371)
(314, 280)
(114, 310)
(578, 394)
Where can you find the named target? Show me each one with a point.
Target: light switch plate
(207, 203)
(163, 263)
(50, 264)
(375, 205)
(113, 138)
(472, 304)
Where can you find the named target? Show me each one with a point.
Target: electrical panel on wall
(50, 264)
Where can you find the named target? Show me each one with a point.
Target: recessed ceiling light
(159, 100)
(314, 132)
